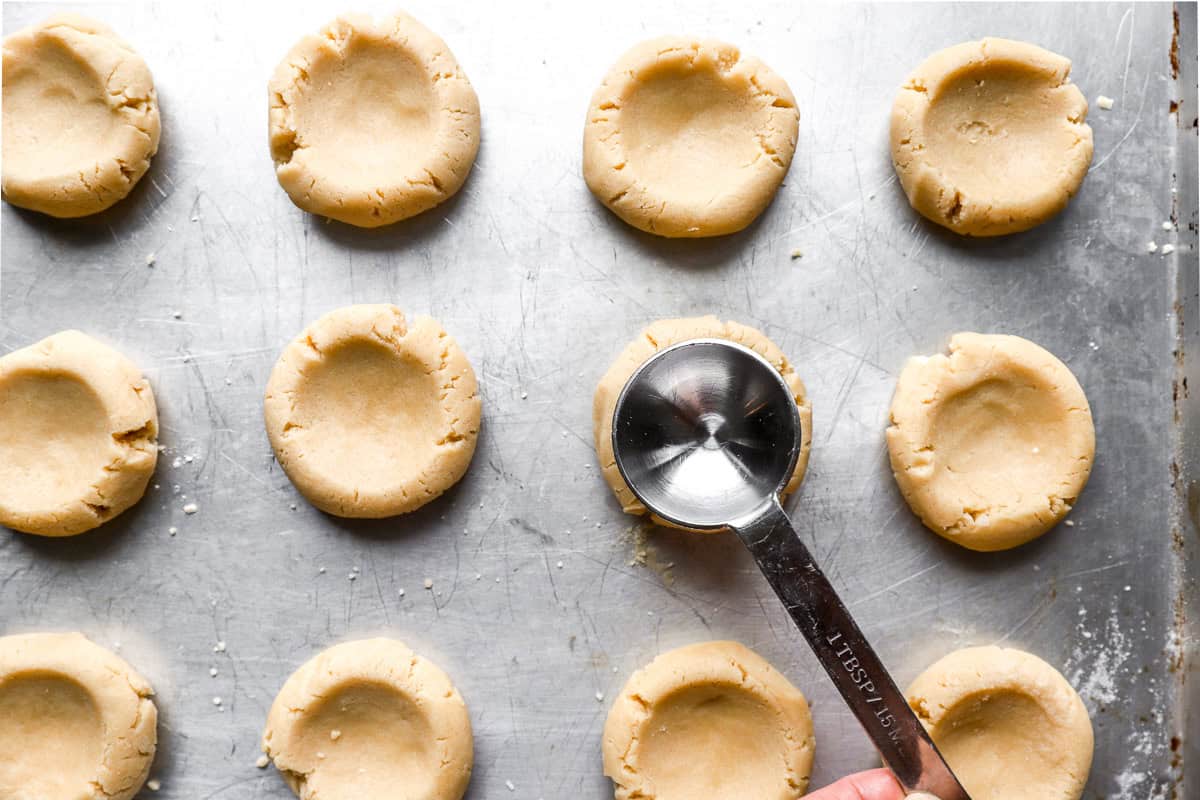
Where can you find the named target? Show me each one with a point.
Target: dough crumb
(1168, 226)
(262, 762)
(1104, 102)
(335, 734)
(510, 785)
(1151, 247)
(150, 259)
(216, 701)
(1070, 523)
(599, 697)
(559, 565)
(153, 784)
(429, 583)
(402, 593)
(1167, 249)
(177, 314)
(172, 530)
(797, 254)
(212, 671)
(219, 647)
(190, 508)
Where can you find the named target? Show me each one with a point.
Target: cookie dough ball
(80, 117)
(992, 444)
(370, 417)
(372, 122)
(78, 435)
(989, 137)
(711, 720)
(76, 721)
(689, 137)
(1008, 724)
(369, 719)
(659, 336)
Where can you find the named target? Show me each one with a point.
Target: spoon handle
(843, 651)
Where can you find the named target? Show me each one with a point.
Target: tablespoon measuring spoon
(706, 434)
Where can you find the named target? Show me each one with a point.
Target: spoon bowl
(705, 433)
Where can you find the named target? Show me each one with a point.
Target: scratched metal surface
(542, 286)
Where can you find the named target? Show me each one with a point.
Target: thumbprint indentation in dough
(51, 737)
(55, 431)
(989, 137)
(711, 719)
(78, 435)
(370, 417)
(992, 125)
(995, 431)
(689, 137)
(991, 445)
(368, 404)
(1008, 724)
(63, 100)
(366, 113)
(980, 734)
(685, 128)
(383, 741)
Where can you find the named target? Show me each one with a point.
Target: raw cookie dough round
(659, 336)
(712, 720)
(368, 719)
(689, 137)
(1008, 724)
(80, 117)
(989, 137)
(78, 435)
(992, 444)
(370, 417)
(372, 122)
(76, 721)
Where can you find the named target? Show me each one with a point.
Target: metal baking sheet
(543, 600)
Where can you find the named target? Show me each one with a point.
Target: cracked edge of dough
(605, 160)
(930, 191)
(122, 696)
(981, 671)
(131, 95)
(128, 402)
(658, 336)
(385, 325)
(379, 661)
(925, 381)
(455, 145)
(717, 662)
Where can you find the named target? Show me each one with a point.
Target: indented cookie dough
(368, 719)
(78, 435)
(80, 117)
(989, 137)
(370, 417)
(689, 137)
(1008, 724)
(711, 720)
(372, 122)
(659, 336)
(76, 721)
(992, 444)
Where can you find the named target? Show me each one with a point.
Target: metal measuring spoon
(706, 434)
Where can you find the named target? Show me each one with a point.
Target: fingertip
(876, 784)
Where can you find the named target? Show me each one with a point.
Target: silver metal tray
(543, 600)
